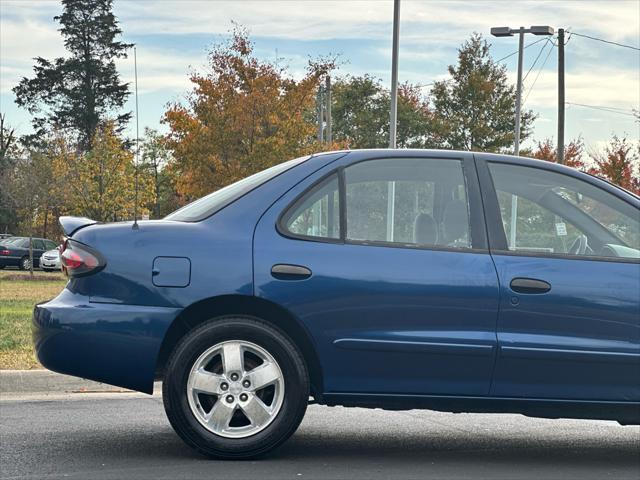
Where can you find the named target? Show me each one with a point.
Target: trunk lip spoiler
(71, 225)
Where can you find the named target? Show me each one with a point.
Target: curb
(18, 382)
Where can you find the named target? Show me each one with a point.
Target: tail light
(4, 251)
(79, 260)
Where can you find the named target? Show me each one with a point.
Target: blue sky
(173, 36)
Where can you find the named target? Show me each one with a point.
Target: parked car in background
(14, 252)
(394, 279)
(50, 260)
(4, 236)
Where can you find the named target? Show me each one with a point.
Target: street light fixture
(509, 32)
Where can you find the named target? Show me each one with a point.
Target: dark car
(14, 251)
(391, 279)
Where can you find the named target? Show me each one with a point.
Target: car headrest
(455, 220)
(425, 230)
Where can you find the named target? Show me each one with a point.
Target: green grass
(18, 294)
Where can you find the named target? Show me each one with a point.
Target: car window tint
(408, 201)
(38, 244)
(317, 214)
(50, 245)
(549, 212)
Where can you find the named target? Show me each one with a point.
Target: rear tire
(201, 354)
(25, 263)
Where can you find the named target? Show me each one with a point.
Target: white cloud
(313, 19)
(617, 88)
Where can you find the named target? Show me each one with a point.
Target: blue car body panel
(386, 319)
(112, 304)
(581, 340)
(115, 344)
(388, 325)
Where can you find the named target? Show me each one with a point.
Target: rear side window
(50, 245)
(420, 201)
(408, 202)
(210, 204)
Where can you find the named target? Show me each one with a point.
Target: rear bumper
(110, 343)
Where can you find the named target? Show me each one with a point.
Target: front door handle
(529, 285)
(284, 271)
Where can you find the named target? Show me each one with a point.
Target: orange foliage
(573, 152)
(620, 164)
(242, 116)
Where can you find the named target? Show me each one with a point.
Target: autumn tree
(474, 109)
(8, 155)
(78, 93)
(620, 163)
(242, 115)
(100, 184)
(360, 114)
(573, 153)
(154, 158)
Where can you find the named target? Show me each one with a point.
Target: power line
(424, 85)
(606, 41)
(539, 72)
(619, 111)
(536, 60)
(525, 47)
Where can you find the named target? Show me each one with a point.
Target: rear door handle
(284, 271)
(529, 285)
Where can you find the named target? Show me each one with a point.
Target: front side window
(552, 213)
(413, 201)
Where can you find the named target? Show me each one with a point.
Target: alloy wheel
(235, 389)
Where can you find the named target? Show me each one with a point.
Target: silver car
(50, 260)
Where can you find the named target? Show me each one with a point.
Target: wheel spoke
(263, 375)
(206, 382)
(232, 358)
(220, 416)
(256, 411)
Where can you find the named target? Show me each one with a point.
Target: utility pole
(327, 94)
(508, 32)
(320, 111)
(560, 154)
(394, 75)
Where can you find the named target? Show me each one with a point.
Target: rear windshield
(210, 204)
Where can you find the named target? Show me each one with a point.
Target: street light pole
(516, 142)
(393, 120)
(509, 32)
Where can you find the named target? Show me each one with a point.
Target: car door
(384, 261)
(567, 251)
(38, 248)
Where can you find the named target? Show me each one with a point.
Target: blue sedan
(393, 279)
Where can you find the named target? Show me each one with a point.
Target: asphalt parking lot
(118, 436)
